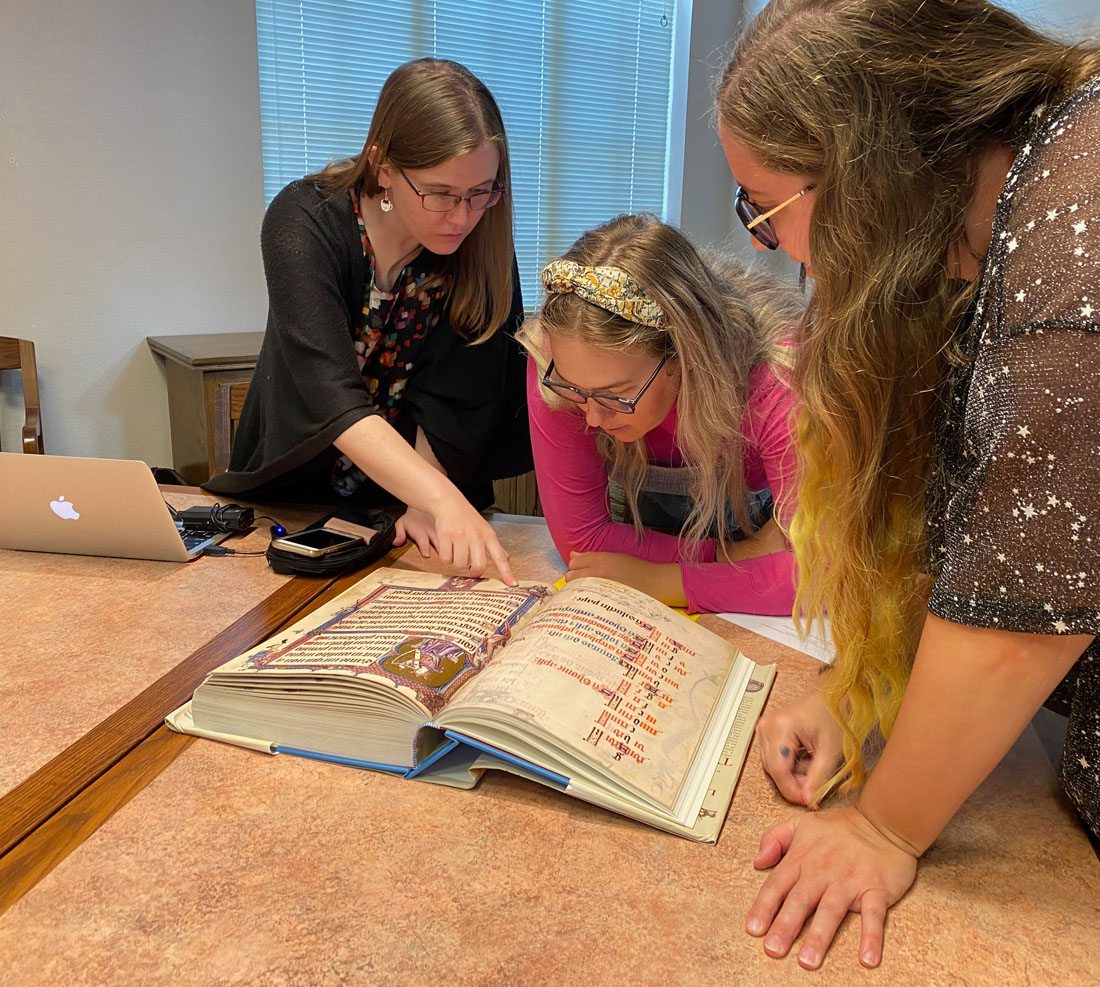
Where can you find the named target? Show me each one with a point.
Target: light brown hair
(888, 105)
(721, 321)
(428, 112)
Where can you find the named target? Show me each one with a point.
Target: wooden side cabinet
(195, 367)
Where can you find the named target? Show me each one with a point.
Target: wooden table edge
(53, 811)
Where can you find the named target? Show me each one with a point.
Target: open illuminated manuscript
(596, 690)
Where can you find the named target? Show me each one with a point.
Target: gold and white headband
(611, 288)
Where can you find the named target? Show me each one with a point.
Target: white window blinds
(584, 89)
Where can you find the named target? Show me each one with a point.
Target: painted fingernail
(773, 944)
(809, 958)
(784, 752)
(755, 926)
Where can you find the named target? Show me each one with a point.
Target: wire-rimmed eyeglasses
(479, 199)
(756, 221)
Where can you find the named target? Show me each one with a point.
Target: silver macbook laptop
(109, 507)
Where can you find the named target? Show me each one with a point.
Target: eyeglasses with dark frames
(755, 220)
(610, 402)
(479, 200)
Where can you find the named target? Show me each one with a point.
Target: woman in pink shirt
(656, 394)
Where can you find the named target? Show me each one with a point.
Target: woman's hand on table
(826, 865)
(439, 517)
(800, 746)
(459, 535)
(660, 580)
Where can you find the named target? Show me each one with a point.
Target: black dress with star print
(1016, 537)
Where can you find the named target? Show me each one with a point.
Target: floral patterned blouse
(1016, 543)
(388, 336)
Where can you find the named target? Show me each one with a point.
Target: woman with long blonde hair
(935, 166)
(656, 385)
(389, 368)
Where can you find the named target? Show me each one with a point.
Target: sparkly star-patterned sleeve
(1021, 550)
(1020, 546)
(1016, 536)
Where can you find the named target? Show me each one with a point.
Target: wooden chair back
(228, 402)
(18, 354)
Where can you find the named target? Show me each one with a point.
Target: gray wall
(701, 216)
(1069, 19)
(130, 204)
(707, 210)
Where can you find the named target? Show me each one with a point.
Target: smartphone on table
(316, 542)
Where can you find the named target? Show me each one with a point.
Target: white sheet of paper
(782, 629)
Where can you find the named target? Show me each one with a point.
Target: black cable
(220, 550)
(242, 517)
(217, 518)
(277, 530)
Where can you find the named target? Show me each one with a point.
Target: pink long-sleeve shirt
(572, 480)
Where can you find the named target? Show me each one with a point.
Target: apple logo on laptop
(63, 509)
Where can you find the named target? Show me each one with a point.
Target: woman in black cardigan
(389, 362)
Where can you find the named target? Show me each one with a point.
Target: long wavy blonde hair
(889, 105)
(722, 321)
(429, 111)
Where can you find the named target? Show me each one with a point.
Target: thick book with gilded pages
(596, 690)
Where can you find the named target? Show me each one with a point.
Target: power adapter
(230, 517)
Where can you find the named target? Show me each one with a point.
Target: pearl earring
(385, 203)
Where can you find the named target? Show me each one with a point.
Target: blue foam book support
(431, 759)
(454, 740)
(392, 769)
(551, 776)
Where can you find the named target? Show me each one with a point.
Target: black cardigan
(307, 389)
